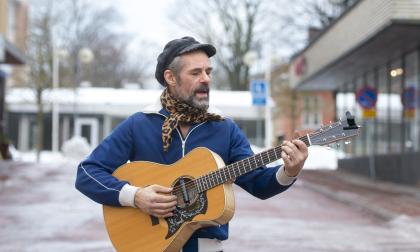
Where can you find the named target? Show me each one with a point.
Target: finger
(300, 144)
(287, 149)
(162, 214)
(165, 206)
(292, 146)
(162, 198)
(161, 189)
(286, 158)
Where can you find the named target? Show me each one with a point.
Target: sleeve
(94, 174)
(262, 182)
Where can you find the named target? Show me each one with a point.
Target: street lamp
(84, 56)
(57, 55)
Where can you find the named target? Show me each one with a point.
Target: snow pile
(76, 148)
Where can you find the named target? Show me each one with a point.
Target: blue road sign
(408, 98)
(367, 97)
(259, 92)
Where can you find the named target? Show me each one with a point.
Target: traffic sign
(259, 92)
(408, 98)
(367, 97)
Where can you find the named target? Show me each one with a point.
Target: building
(368, 59)
(10, 14)
(94, 112)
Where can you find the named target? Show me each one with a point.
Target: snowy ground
(40, 210)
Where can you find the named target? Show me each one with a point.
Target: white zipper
(184, 140)
(179, 133)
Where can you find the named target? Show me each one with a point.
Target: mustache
(202, 89)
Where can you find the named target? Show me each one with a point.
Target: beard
(195, 100)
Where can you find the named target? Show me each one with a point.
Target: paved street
(41, 211)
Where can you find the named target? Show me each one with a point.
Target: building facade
(369, 60)
(93, 112)
(10, 19)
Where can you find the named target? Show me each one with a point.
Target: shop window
(383, 107)
(410, 106)
(311, 111)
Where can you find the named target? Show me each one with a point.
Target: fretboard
(230, 172)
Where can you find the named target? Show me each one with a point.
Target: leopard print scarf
(181, 112)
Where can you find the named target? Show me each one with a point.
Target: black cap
(178, 47)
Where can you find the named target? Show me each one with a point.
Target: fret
(219, 178)
(197, 184)
(249, 162)
(213, 182)
(237, 167)
(222, 171)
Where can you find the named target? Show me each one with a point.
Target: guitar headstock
(336, 131)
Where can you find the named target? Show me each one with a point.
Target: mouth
(202, 93)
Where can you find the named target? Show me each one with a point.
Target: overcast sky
(148, 20)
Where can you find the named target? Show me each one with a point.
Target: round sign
(408, 98)
(367, 97)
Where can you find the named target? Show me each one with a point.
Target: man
(179, 123)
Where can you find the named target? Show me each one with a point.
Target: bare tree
(231, 26)
(40, 61)
(88, 26)
(300, 22)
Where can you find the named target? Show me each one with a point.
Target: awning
(9, 54)
(386, 45)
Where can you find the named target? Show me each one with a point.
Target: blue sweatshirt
(139, 138)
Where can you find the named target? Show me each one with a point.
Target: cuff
(127, 194)
(283, 178)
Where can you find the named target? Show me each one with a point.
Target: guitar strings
(192, 184)
(212, 175)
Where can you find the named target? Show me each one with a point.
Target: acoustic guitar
(203, 185)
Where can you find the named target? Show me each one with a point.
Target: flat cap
(178, 47)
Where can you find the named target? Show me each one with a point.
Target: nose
(205, 78)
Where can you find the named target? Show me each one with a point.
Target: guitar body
(131, 229)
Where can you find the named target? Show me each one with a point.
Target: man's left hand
(294, 154)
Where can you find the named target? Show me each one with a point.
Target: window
(311, 111)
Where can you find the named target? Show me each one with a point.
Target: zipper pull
(183, 147)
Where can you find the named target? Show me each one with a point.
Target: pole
(55, 108)
(268, 125)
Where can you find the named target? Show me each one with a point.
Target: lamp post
(57, 54)
(84, 56)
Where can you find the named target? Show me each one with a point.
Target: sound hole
(186, 191)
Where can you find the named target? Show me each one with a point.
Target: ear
(169, 77)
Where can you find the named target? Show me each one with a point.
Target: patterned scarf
(181, 112)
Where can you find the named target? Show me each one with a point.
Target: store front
(370, 58)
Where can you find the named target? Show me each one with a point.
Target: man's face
(193, 80)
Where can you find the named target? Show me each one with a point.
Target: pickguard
(181, 215)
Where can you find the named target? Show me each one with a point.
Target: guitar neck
(234, 170)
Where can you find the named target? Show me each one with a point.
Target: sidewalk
(383, 199)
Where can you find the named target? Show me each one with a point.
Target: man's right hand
(156, 200)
